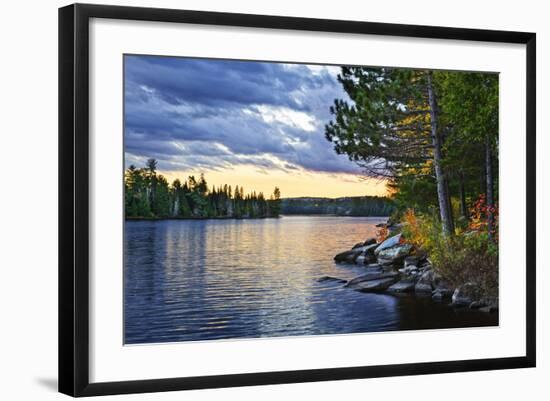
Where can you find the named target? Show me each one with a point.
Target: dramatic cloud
(203, 114)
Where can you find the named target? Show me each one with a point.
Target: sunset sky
(252, 124)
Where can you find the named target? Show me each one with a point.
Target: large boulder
(409, 270)
(388, 243)
(411, 261)
(348, 256)
(394, 255)
(374, 285)
(425, 283)
(371, 276)
(330, 278)
(374, 268)
(441, 293)
(418, 259)
(404, 285)
(369, 253)
(359, 254)
(464, 295)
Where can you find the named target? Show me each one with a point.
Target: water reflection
(211, 279)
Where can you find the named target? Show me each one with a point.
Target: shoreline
(395, 267)
(243, 218)
(198, 218)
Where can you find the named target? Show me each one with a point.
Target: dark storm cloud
(212, 114)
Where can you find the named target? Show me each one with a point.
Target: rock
(369, 258)
(388, 243)
(374, 285)
(488, 309)
(329, 278)
(371, 276)
(405, 285)
(360, 260)
(477, 305)
(348, 256)
(462, 296)
(370, 248)
(358, 245)
(394, 255)
(410, 261)
(370, 241)
(425, 283)
(374, 268)
(441, 293)
(422, 288)
(364, 248)
(409, 270)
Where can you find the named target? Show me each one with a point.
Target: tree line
(149, 195)
(347, 206)
(432, 134)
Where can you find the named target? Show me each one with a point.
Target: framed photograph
(251, 199)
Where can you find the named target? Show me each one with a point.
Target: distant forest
(149, 195)
(348, 206)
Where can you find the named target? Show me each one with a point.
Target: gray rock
(388, 243)
(410, 261)
(369, 258)
(394, 255)
(360, 249)
(422, 288)
(373, 268)
(371, 276)
(405, 285)
(462, 296)
(425, 283)
(488, 309)
(348, 256)
(330, 278)
(440, 294)
(358, 245)
(369, 249)
(477, 305)
(374, 285)
(409, 269)
(360, 260)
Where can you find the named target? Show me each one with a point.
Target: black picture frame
(74, 198)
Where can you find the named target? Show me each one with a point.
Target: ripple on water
(219, 279)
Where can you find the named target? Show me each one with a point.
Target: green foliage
(384, 126)
(349, 206)
(149, 195)
(467, 257)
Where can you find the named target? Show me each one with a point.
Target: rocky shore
(395, 267)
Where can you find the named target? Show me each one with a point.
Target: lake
(188, 280)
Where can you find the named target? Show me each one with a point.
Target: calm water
(212, 279)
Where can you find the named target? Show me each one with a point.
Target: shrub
(466, 257)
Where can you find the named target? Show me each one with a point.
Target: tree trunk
(442, 189)
(463, 206)
(489, 190)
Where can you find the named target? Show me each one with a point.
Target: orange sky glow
(295, 184)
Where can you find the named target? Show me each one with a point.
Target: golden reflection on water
(216, 271)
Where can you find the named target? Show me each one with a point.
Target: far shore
(243, 218)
